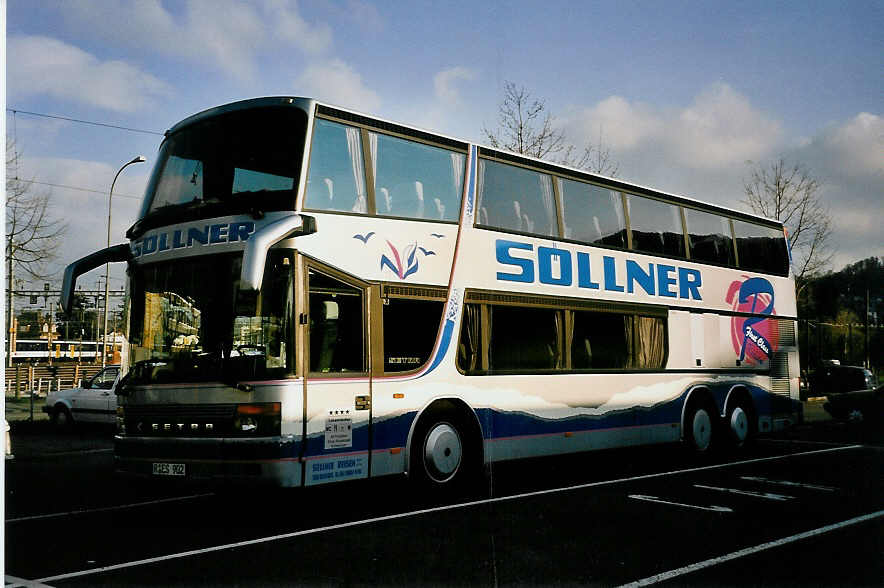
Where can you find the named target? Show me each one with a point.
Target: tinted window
(337, 171)
(761, 249)
(524, 339)
(410, 328)
(709, 236)
(617, 341)
(229, 163)
(656, 226)
(416, 180)
(335, 325)
(592, 214)
(515, 198)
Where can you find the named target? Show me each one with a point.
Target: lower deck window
(410, 328)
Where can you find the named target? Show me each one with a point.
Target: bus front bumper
(266, 460)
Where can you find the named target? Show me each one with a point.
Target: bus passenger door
(338, 385)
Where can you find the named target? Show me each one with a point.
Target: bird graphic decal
(364, 238)
(437, 235)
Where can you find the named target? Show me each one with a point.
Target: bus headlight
(258, 419)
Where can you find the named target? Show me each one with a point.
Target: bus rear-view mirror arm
(113, 254)
(259, 244)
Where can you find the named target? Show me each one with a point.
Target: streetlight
(139, 159)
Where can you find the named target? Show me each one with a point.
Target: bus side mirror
(112, 254)
(255, 255)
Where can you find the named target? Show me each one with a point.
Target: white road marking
(107, 508)
(421, 512)
(751, 550)
(694, 506)
(765, 495)
(13, 582)
(788, 483)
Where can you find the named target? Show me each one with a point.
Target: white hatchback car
(94, 402)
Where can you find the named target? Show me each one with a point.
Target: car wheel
(61, 418)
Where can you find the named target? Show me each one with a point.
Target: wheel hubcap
(739, 424)
(442, 452)
(702, 429)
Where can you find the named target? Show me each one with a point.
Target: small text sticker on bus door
(338, 430)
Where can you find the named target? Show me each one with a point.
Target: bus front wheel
(442, 454)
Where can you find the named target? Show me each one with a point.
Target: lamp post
(110, 196)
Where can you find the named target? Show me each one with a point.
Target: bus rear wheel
(700, 428)
(740, 422)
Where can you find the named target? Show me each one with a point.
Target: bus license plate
(168, 469)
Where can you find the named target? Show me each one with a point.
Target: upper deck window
(761, 249)
(516, 198)
(241, 161)
(656, 226)
(415, 180)
(337, 170)
(710, 238)
(592, 214)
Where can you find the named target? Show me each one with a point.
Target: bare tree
(525, 125)
(32, 234)
(790, 193)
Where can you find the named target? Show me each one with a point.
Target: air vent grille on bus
(558, 302)
(779, 373)
(787, 332)
(415, 292)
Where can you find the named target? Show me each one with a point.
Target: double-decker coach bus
(58, 349)
(316, 295)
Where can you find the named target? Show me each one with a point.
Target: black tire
(741, 424)
(444, 457)
(700, 427)
(61, 418)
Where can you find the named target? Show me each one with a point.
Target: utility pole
(10, 260)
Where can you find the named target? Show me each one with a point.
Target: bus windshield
(245, 161)
(189, 323)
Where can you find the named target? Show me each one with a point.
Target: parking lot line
(655, 579)
(789, 483)
(107, 508)
(318, 530)
(765, 495)
(694, 506)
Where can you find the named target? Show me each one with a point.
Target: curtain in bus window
(469, 348)
(649, 342)
(336, 180)
(656, 226)
(457, 171)
(354, 147)
(592, 214)
(512, 198)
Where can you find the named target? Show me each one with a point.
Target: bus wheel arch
(445, 446)
(740, 417)
(700, 421)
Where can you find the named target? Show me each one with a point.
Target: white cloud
(41, 65)
(719, 129)
(225, 34)
(445, 83)
(336, 82)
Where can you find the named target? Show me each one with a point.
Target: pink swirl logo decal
(754, 338)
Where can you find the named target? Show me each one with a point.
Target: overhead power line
(15, 111)
(80, 189)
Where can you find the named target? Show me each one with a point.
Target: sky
(687, 96)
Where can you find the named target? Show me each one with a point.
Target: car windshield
(190, 323)
(241, 161)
